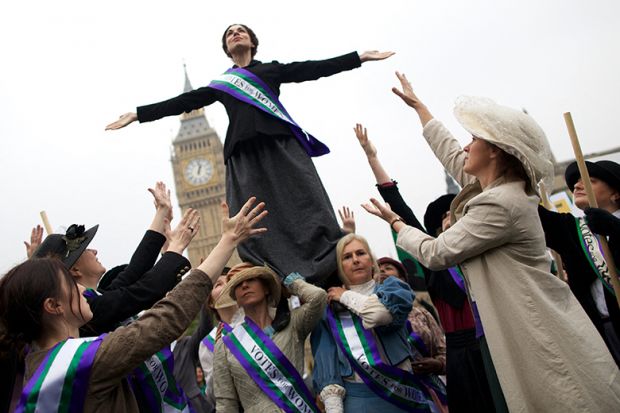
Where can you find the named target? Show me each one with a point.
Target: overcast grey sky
(71, 67)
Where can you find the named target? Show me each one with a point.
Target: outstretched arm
(125, 348)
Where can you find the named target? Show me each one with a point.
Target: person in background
(468, 387)
(575, 240)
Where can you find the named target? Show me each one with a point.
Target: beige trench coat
(547, 354)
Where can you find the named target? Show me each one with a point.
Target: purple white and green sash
(591, 246)
(416, 341)
(458, 278)
(209, 340)
(60, 383)
(269, 368)
(395, 385)
(155, 380)
(249, 88)
(419, 347)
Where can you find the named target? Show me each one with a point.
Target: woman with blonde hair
(361, 351)
(546, 352)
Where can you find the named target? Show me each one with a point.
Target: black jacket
(136, 288)
(561, 236)
(245, 121)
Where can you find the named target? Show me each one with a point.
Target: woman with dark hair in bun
(267, 154)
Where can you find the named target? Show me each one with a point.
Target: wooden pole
(585, 179)
(556, 257)
(46, 222)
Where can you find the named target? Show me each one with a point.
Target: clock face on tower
(198, 171)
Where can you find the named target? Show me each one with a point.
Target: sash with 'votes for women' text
(395, 385)
(269, 368)
(594, 253)
(249, 88)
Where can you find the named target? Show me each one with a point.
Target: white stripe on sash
(272, 371)
(53, 383)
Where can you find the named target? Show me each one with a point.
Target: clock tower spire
(199, 176)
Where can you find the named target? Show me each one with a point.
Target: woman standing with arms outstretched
(267, 154)
(546, 352)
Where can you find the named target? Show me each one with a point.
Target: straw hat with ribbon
(262, 272)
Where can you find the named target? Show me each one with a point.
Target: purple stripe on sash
(89, 293)
(33, 380)
(311, 145)
(208, 344)
(82, 375)
(254, 374)
(174, 392)
(386, 369)
(477, 320)
(457, 277)
(139, 384)
(295, 377)
(417, 341)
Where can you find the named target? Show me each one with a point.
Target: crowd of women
(508, 334)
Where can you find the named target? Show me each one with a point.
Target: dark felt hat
(399, 266)
(606, 171)
(69, 247)
(434, 213)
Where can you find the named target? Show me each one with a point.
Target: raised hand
(348, 220)
(161, 198)
(371, 55)
(240, 227)
(380, 210)
(365, 143)
(407, 94)
(123, 121)
(184, 232)
(36, 237)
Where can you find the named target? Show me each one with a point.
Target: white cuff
(332, 396)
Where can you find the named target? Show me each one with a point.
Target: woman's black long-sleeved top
(246, 121)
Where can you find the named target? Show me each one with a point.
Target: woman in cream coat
(547, 354)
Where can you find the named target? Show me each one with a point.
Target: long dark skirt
(302, 230)
(468, 387)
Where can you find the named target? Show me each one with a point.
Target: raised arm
(313, 301)
(388, 188)
(125, 348)
(36, 236)
(149, 248)
(441, 141)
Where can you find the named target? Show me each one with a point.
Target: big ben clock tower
(199, 177)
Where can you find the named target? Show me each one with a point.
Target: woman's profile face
(357, 263)
(603, 193)
(478, 156)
